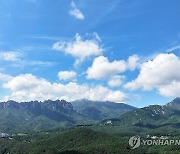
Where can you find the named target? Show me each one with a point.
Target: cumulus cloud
(9, 56)
(80, 48)
(116, 81)
(27, 87)
(161, 73)
(172, 89)
(133, 62)
(102, 68)
(67, 75)
(76, 12)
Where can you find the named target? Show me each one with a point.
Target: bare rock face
(58, 105)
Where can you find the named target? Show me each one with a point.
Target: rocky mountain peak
(57, 105)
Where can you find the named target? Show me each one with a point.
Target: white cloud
(17, 59)
(76, 12)
(9, 56)
(80, 48)
(116, 81)
(67, 75)
(172, 89)
(27, 87)
(133, 62)
(161, 73)
(102, 68)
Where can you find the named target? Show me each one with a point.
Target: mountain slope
(175, 104)
(38, 116)
(151, 117)
(77, 141)
(81, 141)
(101, 110)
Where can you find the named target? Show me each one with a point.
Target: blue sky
(123, 51)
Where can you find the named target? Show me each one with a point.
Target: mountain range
(156, 118)
(98, 110)
(37, 116)
(41, 116)
(71, 127)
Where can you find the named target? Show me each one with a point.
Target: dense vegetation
(99, 111)
(153, 117)
(40, 116)
(108, 136)
(77, 140)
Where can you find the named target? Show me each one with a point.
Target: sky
(120, 50)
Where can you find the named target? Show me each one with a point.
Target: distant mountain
(38, 116)
(175, 104)
(99, 110)
(151, 117)
(109, 136)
